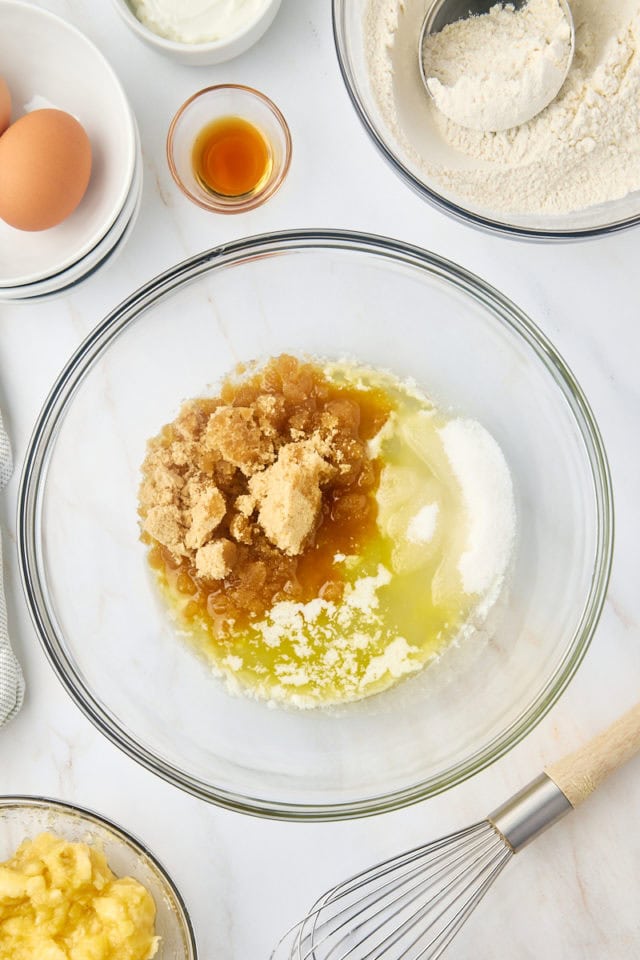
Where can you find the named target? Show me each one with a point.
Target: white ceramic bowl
(103, 252)
(49, 63)
(202, 54)
(111, 255)
(109, 258)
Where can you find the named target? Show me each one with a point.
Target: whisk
(412, 906)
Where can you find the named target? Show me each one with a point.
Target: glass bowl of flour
(573, 171)
(349, 298)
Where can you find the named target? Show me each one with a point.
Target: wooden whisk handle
(580, 773)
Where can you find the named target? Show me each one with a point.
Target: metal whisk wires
(411, 907)
(408, 907)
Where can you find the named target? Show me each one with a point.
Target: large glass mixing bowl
(352, 41)
(333, 295)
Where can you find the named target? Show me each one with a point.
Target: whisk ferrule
(530, 812)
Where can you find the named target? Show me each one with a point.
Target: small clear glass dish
(25, 817)
(214, 103)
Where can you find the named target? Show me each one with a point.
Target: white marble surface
(575, 893)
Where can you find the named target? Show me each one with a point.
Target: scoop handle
(580, 773)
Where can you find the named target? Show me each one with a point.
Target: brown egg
(45, 164)
(5, 106)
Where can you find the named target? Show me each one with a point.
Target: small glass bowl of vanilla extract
(229, 148)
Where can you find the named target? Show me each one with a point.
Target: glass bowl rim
(36, 802)
(460, 213)
(43, 438)
(231, 204)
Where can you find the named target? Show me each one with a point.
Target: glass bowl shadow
(336, 295)
(25, 817)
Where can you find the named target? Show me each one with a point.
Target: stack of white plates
(79, 80)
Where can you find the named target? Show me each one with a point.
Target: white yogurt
(197, 21)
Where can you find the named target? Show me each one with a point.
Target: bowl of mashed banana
(316, 525)
(73, 884)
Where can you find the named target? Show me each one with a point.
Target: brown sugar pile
(246, 498)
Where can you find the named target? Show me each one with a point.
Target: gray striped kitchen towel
(11, 680)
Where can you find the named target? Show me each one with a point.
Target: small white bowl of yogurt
(199, 32)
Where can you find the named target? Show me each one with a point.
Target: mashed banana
(60, 901)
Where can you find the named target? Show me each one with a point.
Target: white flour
(499, 70)
(584, 149)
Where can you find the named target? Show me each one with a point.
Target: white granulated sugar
(422, 526)
(395, 660)
(498, 70)
(293, 676)
(331, 657)
(351, 626)
(582, 150)
(234, 663)
(362, 596)
(487, 493)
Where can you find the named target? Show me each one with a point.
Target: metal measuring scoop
(440, 13)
